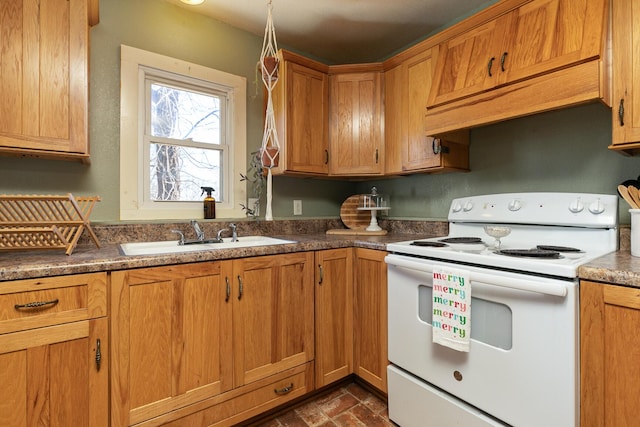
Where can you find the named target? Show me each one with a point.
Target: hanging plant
(255, 177)
(270, 148)
(269, 66)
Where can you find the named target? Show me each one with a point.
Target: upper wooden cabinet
(625, 30)
(536, 38)
(517, 58)
(409, 148)
(44, 77)
(355, 111)
(301, 108)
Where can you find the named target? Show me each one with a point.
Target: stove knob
(576, 206)
(457, 207)
(596, 207)
(515, 205)
(468, 206)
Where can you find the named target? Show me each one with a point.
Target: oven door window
(491, 322)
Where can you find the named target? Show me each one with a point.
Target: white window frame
(133, 203)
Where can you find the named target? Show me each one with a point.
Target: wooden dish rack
(44, 222)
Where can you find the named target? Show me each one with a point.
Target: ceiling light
(192, 2)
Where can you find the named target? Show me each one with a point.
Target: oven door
(522, 364)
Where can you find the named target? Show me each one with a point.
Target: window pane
(177, 173)
(184, 114)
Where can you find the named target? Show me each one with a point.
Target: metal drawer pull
(437, 147)
(321, 274)
(240, 287)
(36, 304)
(284, 390)
(98, 354)
(226, 298)
(504, 56)
(621, 112)
(489, 65)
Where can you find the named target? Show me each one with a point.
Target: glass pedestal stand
(373, 226)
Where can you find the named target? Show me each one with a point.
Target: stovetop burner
(429, 244)
(530, 253)
(465, 240)
(557, 248)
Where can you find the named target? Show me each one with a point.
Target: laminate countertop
(618, 268)
(87, 258)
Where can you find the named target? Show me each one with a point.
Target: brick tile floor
(348, 406)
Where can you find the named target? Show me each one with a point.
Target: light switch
(297, 207)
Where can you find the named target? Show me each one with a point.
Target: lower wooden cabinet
(189, 337)
(334, 315)
(273, 314)
(54, 352)
(370, 317)
(609, 355)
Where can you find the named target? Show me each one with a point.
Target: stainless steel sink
(172, 246)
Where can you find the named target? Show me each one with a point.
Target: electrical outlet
(297, 207)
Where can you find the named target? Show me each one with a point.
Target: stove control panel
(567, 209)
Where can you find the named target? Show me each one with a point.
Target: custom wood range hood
(519, 58)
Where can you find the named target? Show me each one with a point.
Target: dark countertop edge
(18, 265)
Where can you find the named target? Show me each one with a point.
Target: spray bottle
(209, 203)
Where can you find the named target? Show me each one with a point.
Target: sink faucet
(219, 235)
(196, 227)
(234, 233)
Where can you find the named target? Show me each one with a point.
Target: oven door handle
(488, 279)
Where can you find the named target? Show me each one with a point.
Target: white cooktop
(587, 222)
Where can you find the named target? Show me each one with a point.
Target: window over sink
(183, 127)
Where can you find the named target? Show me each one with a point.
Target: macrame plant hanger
(269, 64)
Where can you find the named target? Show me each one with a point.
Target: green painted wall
(161, 27)
(563, 150)
(556, 151)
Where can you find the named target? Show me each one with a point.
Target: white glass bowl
(497, 232)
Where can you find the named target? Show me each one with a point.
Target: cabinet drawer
(34, 303)
(241, 404)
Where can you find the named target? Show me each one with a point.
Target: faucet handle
(182, 240)
(219, 235)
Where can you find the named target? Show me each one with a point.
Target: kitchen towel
(451, 319)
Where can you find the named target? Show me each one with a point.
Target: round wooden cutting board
(352, 217)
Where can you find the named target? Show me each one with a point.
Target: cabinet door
(626, 73)
(395, 112)
(609, 355)
(370, 331)
(273, 315)
(420, 152)
(171, 333)
(301, 109)
(546, 35)
(536, 38)
(55, 376)
(355, 135)
(334, 315)
(467, 63)
(44, 83)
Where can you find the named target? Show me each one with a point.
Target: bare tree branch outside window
(187, 155)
